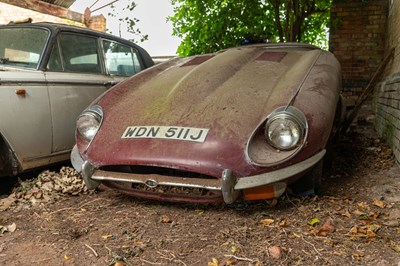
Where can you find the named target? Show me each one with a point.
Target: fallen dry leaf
(107, 236)
(7, 202)
(379, 204)
(283, 223)
(370, 234)
(9, 228)
(354, 230)
(233, 249)
(166, 220)
(346, 214)
(199, 212)
(213, 262)
(368, 230)
(326, 228)
(359, 213)
(266, 222)
(275, 252)
(139, 243)
(363, 205)
(372, 227)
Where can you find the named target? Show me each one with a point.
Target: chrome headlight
(285, 128)
(89, 122)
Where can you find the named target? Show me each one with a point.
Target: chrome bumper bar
(228, 184)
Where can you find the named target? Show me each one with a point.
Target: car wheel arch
(8, 163)
(310, 183)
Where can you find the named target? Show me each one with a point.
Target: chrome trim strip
(63, 82)
(278, 175)
(228, 183)
(31, 159)
(290, 103)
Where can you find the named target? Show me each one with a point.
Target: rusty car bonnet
(229, 93)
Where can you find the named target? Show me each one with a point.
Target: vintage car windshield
(22, 47)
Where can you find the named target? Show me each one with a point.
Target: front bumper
(229, 185)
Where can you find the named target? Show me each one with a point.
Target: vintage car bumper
(230, 185)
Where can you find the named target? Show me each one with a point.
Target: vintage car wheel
(310, 183)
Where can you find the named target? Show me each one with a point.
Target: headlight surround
(278, 137)
(89, 122)
(283, 131)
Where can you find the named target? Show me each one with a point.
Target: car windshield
(22, 47)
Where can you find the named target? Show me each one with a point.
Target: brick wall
(387, 93)
(357, 38)
(98, 23)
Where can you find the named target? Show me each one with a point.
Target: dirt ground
(356, 221)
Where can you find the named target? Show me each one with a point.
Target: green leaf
(314, 222)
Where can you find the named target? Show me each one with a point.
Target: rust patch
(272, 56)
(198, 60)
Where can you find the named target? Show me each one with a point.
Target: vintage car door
(75, 75)
(81, 68)
(24, 104)
(25, 115)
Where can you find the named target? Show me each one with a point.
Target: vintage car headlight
(284, 129)
(283, 132)
(89, 122)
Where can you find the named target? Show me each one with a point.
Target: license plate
(166, 132)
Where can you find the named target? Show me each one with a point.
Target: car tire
(310, 183)
(6, 159)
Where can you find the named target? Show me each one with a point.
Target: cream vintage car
(49, 73)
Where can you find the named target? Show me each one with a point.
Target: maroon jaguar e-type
(244, 122)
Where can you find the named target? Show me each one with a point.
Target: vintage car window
(54, 63)
(22, 47)
(121, 60)
(79, 53)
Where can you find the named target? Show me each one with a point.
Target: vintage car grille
(173, 192)
(183, 191)
(148, 170)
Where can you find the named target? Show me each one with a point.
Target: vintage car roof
(53, 27)
(56, 27)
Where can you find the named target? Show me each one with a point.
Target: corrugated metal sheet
(62, 3)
